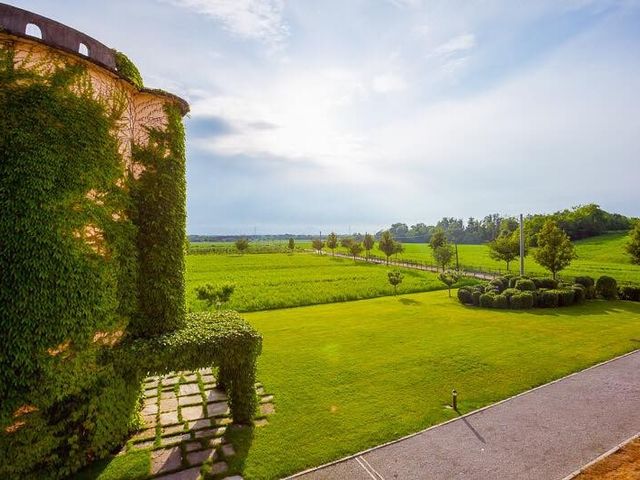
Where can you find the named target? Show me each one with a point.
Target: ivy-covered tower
(92, 231)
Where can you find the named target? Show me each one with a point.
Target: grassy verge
(350, 376)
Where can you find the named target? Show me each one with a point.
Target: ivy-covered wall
(92, 194)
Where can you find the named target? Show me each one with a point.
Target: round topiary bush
(515, 301)
(548, 299)
(500, 301)
(579, 294)
(525, 285)
(629, 292)
(510, 291)
(486, 300)
(465, 296)
(589, 286)
(526, 300)
(545, 282)
(476, 298)
(607, 287)
(499, 284)
(565, 297)
(585, 281)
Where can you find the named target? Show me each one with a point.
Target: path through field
(415, 266)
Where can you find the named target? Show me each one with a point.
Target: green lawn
(277, 280)
(352, 375)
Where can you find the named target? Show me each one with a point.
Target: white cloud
(388, 82)
(254, 19)
(456, 45)
(406, 3)
(305, 112)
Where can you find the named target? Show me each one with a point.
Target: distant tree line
(578, 222)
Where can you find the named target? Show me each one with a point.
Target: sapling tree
(395, 279)
(367, 242)
(443, 254)
(387, 244)
(242, 245)
(555, 250)
(449, 278)
(397, 248)
(332, 242)
(317, 245)
(215, 294)
(355, 249)
(346, 242)
(506, 247)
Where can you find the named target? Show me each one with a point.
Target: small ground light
(454, 399)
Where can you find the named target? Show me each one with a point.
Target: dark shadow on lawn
(409, 301)
(241, 437)
(591, 307)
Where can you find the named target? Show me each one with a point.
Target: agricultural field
(349, 376)
(278, 280)
(601, 255)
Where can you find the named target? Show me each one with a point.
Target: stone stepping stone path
(186, 417)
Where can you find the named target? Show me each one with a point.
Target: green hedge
(222, 338)
(607, 287)
(629, 292)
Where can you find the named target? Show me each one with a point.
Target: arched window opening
(83, 50)
(33, 30)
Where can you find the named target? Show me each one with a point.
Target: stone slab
(165, 460)
(192, 413)
(199, 457)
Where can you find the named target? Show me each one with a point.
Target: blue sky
(326, 115)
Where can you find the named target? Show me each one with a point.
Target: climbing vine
(92, 270)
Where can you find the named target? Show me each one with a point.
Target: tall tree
(555, 250)
(292, 245)
(387, 244)
(506, 247)
(332, 242)
(368, 242)
(317, 245)
(633, 247)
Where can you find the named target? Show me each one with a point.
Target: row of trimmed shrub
(523, 292)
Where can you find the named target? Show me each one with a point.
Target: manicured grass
(132, 466)
(352, 375)
(268, 281)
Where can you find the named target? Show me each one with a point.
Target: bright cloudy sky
(315, 115)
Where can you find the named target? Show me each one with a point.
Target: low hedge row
(523, 292)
